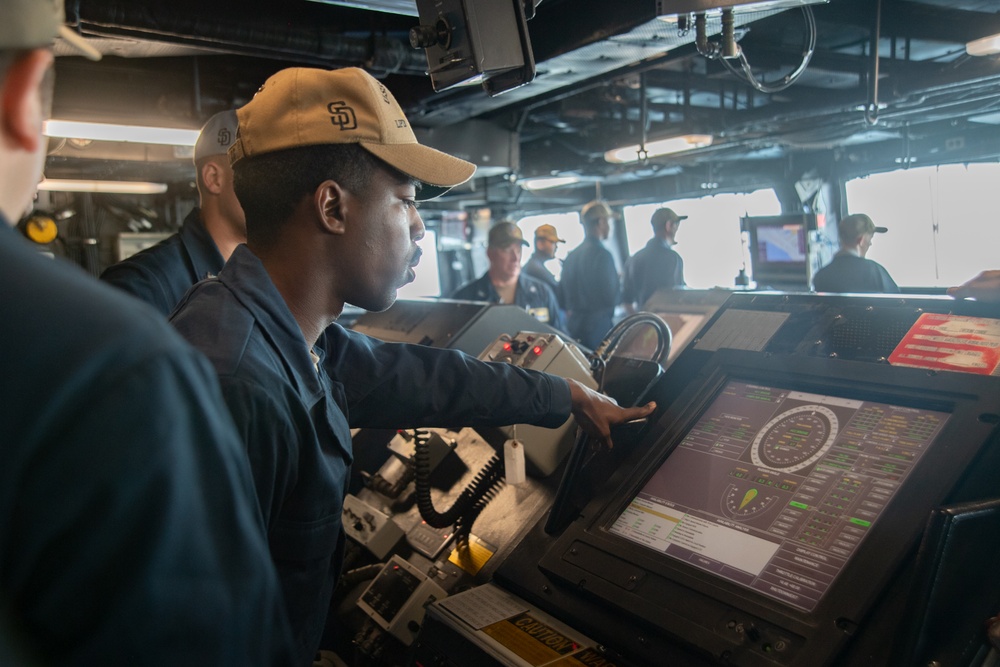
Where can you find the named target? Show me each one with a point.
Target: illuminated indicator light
(799, 505)
(506, 347)
(861, 522)
(537, 350)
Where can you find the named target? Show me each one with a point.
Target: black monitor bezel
(771, 270)
(878, 557)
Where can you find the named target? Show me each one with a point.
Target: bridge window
(944, 221)
(428, 280)
(709, 240)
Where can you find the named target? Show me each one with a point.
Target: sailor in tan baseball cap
(327, 172)
(306, 107)
(546, 242)
(549, 233)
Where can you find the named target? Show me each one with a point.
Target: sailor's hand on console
(596, 413)
(984, 287)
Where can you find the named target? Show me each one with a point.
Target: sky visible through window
(428, 280)
(709, 241)
(944, 222)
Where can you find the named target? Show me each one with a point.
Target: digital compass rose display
(795, 439)
(743, 502)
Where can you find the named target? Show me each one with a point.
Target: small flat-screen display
(781, 244)
(775, 489)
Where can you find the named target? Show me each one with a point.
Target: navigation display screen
(784, 244)
(774, 489)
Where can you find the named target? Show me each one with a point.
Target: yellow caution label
(471, 557)
(532, 640)
(588, 657)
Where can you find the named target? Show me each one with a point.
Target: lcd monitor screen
(775, 489)
(781, 244)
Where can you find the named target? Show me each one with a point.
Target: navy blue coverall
(295, 415)
(129, 529)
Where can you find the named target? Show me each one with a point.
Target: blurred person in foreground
(984, 287)
(129, 531)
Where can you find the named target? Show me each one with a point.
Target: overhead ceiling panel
(405, 7)
(589, 63)
(184, 59)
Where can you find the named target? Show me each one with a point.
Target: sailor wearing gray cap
(850, 271)
(211, 231)
(505, 282)
(656, 266)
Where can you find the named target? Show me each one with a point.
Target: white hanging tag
(513, 461)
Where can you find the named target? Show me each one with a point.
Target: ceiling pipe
(303, 43)
(872, 109)
(643, 118)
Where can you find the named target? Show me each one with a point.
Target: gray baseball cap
(32, 24)
(217, 135)
(857, 224)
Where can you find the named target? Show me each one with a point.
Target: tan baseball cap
(548, 232)
(303, 106)
(216, 136)
(32, 24)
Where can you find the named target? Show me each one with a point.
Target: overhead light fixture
(71, 129)
(110, 187)
(657, 148)
(551, 182)
(987, 46)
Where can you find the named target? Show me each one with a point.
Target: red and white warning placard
(951, 343)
